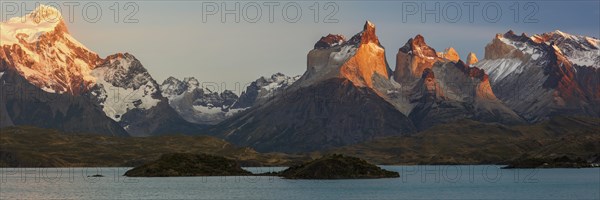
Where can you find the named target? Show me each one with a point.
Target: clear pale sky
(171, 39)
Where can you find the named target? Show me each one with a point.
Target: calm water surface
(416, 182)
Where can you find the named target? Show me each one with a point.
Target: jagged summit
(369, 24)
(580, 50)
(119, 55)
(368, 61)
(472, 58)
(368, 34)
(330, 40)
(357, 59)
(417, 46)
(413, 58)
(449, 54)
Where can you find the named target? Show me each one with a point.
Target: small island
(337, 166)
(186, 164)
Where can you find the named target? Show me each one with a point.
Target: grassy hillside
(469, 142)
(36, 147)
(464, 142)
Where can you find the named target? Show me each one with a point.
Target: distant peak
(472, 58)
(171, 78)
(450, 54)
(418, 46)
(330, 40)
(119, 56)
(190, 79)
(559, 32)
(498, 36)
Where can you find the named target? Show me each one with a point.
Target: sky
(194, 39)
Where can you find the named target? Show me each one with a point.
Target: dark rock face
(317, 117)
(160, 120)
(589, 79)
(337, 167)
(25, 104)
(453, 91)
(185, 164)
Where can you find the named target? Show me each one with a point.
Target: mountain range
(348, 94)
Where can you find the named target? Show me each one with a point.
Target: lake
(415, 182)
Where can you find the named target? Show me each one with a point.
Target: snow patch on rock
(120, 89)
(500, 68)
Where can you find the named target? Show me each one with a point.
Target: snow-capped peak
(31, 26)
(566, 35)
(39, 47)
(192, 83)
(122, 84)
(580, 50)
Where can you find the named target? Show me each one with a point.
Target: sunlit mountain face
(43, 51)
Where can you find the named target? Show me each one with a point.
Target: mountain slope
(326, 118)
(442, 89)
(264, 89)
(25, 104)
(320, 111)
(450, 91)
(534, 76)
